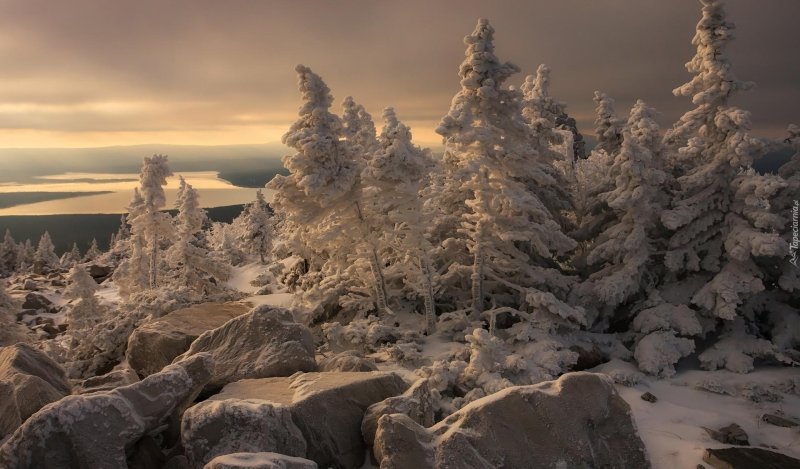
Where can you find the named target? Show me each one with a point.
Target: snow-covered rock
(263, 343)
(95, 430)
(578, 420)
(155, 345)
(259, 461)
(108, 381)
(349, 360)
(417, 403)
(327, 408)
(35, 381)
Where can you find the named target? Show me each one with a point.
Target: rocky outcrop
(578, 420)
(259, 461)
(326, 408)
(417, 403)
(30, 380)
(155, 345)
(350, 360)
(263, 343)
(95, 430)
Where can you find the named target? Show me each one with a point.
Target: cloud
(176, 70)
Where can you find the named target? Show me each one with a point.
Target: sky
(86, 73)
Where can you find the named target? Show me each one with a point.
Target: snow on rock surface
(259, 461)
(96, 430)
(578, 420)
(155, 345)
(417, 403)
(349, 360)
(263, 343)
(29, 380)
(327, 408)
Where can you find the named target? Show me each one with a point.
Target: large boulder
(748, 458)
(417, 403)
(95, 430)
(326, 408)
(263, 343)
(155, 345)
(259, 461)
(37, 302)
(578, 420)
(349, 360)
(107, 382)
(31, 381)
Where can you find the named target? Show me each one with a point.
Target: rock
(578, 420)
(417, 403)
(37, 379)
(95, 430)
(37, 301)
(748, 458)
(9, 412)
(100, 272)
(30, 284)
(779, 421)
(177, 462)
(12, 333)
(327, 408)
(733, 434)
(218, 427)
(147, 454)
(108, 381)
(263, 343)
(649, 397)
(350, 360)
(259, 461)
(588, 358)
(155, 345)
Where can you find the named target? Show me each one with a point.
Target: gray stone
(260, 461)
(37, 301)
(327, 408)
(748, 458)
(155, 345)
(733, 434)
(95, 430)
(779, 421)
(417, 403)
(108, 381)
(263, 343)
(9, 412)
(578, 420)
(37, 379)
(649, 397)
(350, 360)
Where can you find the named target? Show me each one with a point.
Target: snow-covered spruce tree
(84, 311)
(720, 215)
(391, 183)
(150, 223)
(489, 157)
(608, 127)
(132, 275)
(256, 228)
(196, 269)
(71, 257)
(25, 256)
(9, 252)
(786, 205)
(358, 128)
(45, 257)
(93, 252)
(623, 252)
(314, 203)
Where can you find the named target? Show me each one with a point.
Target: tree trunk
(477, 280)
(375, 266)
(154, 263)
(427, 294)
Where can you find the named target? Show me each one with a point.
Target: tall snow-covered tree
(358, 128)
(133, 273)
(608, 127)
(9, 253)
(392, 179)
(786, 205)
(45, 257)
(151, 223)
(195, 267)
(489, 158)
(26, 256)
(71, 257)
(85, 310)
(624, 250)
(256, 228)
(93, 252)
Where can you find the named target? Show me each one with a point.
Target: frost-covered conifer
(9, 252)
(26, 255)
(93, 252)
(720, 212)
(392, 179)
(71, 257)
(85, 310)
(45, 257)
(195, 267)
(608, 127)
(510, 235)
(149, 222)
(624, 250)
(133, 273)
(358, 128)
(256, 228)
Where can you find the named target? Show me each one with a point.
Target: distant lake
(110, 193)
